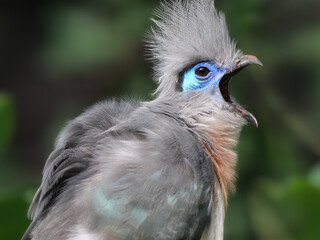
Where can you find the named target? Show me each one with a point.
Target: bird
(159, 169)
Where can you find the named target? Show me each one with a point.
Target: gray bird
(152, 170)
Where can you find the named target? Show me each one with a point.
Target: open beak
(224, 83)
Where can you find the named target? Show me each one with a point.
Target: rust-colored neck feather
(219, 144)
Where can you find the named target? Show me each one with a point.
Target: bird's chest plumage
(219, 142)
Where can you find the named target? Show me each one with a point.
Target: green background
(59, 57)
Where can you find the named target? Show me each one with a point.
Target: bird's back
(141, 177)
(71, 157)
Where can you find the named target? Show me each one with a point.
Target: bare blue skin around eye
(193, 82)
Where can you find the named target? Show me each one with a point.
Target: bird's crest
(187, 32)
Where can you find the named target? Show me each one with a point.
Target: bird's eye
(202, 73)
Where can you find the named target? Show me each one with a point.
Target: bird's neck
(219, 141)
(217, 130)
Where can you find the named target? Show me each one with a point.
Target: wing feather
(72, 155)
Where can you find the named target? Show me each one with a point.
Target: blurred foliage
(75, 54)
(13, 207)
(85, 36)
(6, 121)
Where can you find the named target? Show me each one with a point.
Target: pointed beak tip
(259, 62)
(250, 118)
(250, 59)
(253, 121)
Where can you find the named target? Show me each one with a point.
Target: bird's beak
(243, 62)
(223, 85)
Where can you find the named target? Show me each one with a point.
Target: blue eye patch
(201, 76)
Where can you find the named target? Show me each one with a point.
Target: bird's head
(192, 51)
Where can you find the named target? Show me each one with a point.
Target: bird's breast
(219, 146)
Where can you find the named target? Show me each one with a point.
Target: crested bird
(153, 170)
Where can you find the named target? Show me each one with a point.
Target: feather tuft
(187, 32)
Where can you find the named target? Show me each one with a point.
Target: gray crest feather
(188, 32)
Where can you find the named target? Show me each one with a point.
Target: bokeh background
(59, 57)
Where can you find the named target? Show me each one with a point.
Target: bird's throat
(220, 149)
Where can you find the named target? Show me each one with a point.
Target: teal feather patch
(108, 208)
